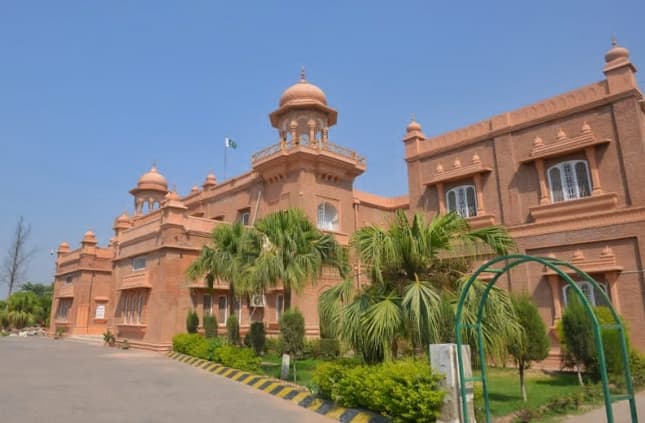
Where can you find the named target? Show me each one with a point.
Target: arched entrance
(559, 267)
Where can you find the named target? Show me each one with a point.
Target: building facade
(563, 175)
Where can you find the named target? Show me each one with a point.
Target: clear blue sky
(91, 93)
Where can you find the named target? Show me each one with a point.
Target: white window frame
(225, 308)
(567, 195)
(245, 217)
(587, 289)
(209, 311)
(327, 217)
(279, 310)
(462, 189)
(136, 263)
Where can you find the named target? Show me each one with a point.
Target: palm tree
(290, 251)
(224, 258)
(22, 309)
(416, 268)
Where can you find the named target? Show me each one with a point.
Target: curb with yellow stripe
(283, 390)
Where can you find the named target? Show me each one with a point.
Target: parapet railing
(285, 146)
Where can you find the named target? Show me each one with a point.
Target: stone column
(611, 278)
(441, 197)
(590, 153)
(480, 194)
(443, 359)
(544, 193)
(554, 283)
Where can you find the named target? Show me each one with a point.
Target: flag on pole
(229, 143)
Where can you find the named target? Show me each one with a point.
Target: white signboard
(100, 311)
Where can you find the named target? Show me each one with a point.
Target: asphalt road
(49, 381)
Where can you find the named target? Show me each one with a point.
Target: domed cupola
(303, 115)
(151, 189)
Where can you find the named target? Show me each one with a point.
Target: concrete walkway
(621, 412)
(51, 381)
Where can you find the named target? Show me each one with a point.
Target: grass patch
(304, 368)
(505, 395)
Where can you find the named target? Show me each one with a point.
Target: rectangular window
(238, 309)
(222, 309)
(279, 306)
(68, 279)
(64, 305)
(139, 263)
(208, 305)
(132, 305)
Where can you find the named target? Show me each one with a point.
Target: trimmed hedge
(192, 321)
(233, 330)
(257, 337)
(210, 326)
(292, 331)
(216, 350)
(405, 391)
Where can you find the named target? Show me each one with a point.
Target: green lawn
(304, 368)
(505, 395)
(504, 384)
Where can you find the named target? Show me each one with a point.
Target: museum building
(563, 175)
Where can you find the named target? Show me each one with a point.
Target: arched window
(594, 297)
(327, 217)
(462, 200)
(569, 180)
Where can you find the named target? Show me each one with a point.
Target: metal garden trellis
(510, 261)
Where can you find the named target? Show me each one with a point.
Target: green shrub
(310, 348)
(405, 391)
(611, 345)
(210, 326)
(637, 367)
(327, 375)
(329, 348)
(478, 402)
(292, 331)
(274, 345)
(233, 330)
(237, 358)
(192, 321)
(257, 337)
(182, 342)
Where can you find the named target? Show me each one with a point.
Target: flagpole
(225, 148)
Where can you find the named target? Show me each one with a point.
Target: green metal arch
(511, 261)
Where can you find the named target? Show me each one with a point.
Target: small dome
(616, 52)
(413, 126)
(303, 92)
(194, 189)
(153, 178)
(210, 180)
(172, 196)
(63, 246)
(124, 218)
(89, 237)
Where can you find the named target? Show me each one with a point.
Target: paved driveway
(47, 381)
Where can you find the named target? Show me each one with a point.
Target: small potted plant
(109, 338)
(60, 331)
(125, 345)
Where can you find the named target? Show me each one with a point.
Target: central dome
(303, 92)
(154, 178)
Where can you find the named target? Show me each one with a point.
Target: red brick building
(563, 175)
